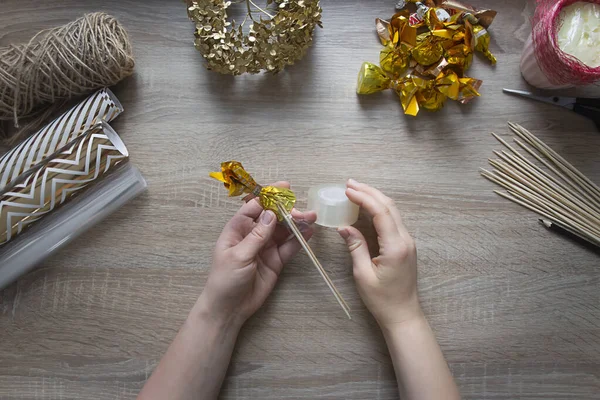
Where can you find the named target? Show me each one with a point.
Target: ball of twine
(559, 67)
(58, 64)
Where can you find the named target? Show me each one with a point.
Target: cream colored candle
(579, 33)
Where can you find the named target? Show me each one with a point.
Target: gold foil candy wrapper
(421, 37)
(401, 31)
(235, 178)
(417, 19)
(428, 52)
(471, 18)
(372, 79)
(481, 41)
(432, 18)
(101, 106)
(446, 34)
(485, 17)
(430, 99)
(383, 31)
(459, 58)
(397, 31)
(407, 91)
(394, 61)
(468, 89)
(238, 181)
(416, 92)
(49, 184)
(432, 70)
(447, 83)
(271, 195)
(442, 15)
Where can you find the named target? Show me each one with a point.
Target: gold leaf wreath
(270, 45)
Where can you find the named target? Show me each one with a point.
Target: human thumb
(357, 245)
(259, 236)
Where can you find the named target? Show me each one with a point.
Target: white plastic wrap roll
(69, 222)
(333, 208)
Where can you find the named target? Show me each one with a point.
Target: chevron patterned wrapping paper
(102, 105)
(50, 184)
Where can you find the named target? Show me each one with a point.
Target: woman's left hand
(248, 258)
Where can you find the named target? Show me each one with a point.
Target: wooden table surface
(515, 308)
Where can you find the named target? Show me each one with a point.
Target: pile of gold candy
(427, 52)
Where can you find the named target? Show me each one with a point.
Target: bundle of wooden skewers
(554, 188)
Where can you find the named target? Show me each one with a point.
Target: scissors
(588, 107)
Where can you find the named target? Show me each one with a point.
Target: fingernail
(303, 226)
(352, 182)
(267, 217)
(344, 233)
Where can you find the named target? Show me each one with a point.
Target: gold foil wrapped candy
(459, 57)
(416, 92)
(372, 79)
(430, 99)
(238, 182)
(399, 38)
(485, 17)
(394, 61)
(481, 41)
(468, 89)
(407, 90)
(397, 31)
(426, 54)
(448, 84)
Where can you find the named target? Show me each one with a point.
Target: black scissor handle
(588, 102)
(589, 112)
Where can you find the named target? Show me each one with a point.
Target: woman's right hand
(387, 283)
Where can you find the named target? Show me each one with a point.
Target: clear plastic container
(333, 208)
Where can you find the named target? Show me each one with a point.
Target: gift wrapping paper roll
(102, 105)
(53, 182)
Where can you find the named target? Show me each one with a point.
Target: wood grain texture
(515, 308)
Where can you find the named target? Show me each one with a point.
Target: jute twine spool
(58, 64)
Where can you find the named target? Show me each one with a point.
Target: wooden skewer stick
(556, 216)
(554, 189)
(540, 199)
(557, 160)
(550, 182)
(553, 217)
(568, 178)
(527, 195)
(522, 201)
(292, 225)
(548, 194)
(566, 231)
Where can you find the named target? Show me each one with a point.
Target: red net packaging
(545, 63)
